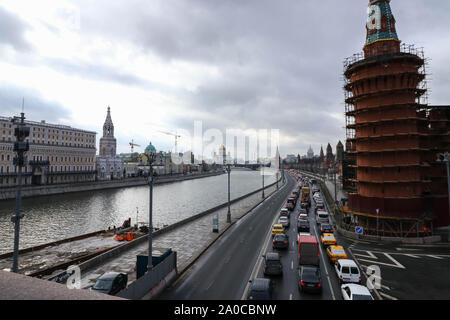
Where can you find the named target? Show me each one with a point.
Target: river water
(56, 217)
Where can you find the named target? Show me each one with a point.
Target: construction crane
(172, 134)
(132, 144)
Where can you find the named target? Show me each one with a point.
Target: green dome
(150, 149)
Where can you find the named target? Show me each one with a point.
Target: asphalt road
(224, 270)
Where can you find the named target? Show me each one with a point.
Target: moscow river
(56, 217)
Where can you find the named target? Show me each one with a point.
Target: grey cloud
(36, 107)
(94, 71)
(12, 30)
(280, 62)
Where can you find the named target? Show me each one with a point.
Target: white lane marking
(359, 241)
(406, 249)
(385, 287)
(435, 257)
(398, 264)
(290, 296)
(331, 288)
(369, 255)
(382, 263)
(292, 265)
(388, 296)
(412, 256)
(400, 253)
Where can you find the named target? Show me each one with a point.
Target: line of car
(309, 273)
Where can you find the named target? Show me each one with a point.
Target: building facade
(109, 166)
(310, 153)
(58, 154)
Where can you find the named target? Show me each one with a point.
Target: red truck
(308, 251)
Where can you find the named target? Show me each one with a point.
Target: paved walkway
(339, 192)
(330, 186)
(188, 241)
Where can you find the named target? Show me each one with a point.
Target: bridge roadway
(224, 271)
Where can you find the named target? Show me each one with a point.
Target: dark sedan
(303, 225)
(309, 279)
(111, 283)
(272, 264)
(261, 289)
(326, 228)
(280, 241)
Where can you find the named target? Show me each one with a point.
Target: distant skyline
(161, 65)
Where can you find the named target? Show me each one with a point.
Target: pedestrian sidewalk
(339, 192)
(330, 186)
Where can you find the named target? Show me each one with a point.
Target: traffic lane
(342, 241)
(258, 267)
(423, 278)
(329, 279)
(403, 271)
(222, 272)
(286, 286)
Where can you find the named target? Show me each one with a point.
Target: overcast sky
(162, 64)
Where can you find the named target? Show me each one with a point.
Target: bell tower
(108, 142)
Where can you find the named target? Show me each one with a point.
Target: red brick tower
(387, 126)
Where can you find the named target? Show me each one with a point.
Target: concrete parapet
(21, 287)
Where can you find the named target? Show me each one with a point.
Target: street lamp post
(446, 159)
(277, 179)
(20, 147)
(151, 157)
(263, 180)
(229, 211)
(378, 211)
(335, 188)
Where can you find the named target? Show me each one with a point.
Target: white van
(322, 217)
(347, 271)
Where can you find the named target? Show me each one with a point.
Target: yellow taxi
(277, 229)
(335, 253)
(328, 239)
